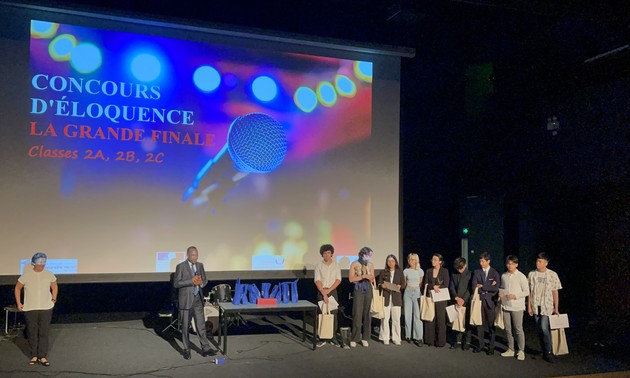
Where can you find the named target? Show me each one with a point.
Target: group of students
(402, 290)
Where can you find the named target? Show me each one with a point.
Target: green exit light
(465, 231)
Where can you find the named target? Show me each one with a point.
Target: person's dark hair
(37, 256)
(543, 256)
(190, 249)
(511, 258)
(391, 257)
(365, 251)
(326, 247)
(439, 256)
(486, 256)
(459, 263)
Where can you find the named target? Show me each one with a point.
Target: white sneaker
(352, 344)
(396, 342)
(508, 353)
(520, 355)
(385, 342)
(365, 343)
(320, 344)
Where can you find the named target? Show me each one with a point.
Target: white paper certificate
(559, 321)
(443, 295)
(452, 313)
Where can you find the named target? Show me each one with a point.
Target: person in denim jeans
(543, 300)
(413, 278)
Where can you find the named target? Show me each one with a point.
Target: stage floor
(270, 347)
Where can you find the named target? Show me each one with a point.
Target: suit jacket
(399, 279)
(460, 286)
(183, 282)
(430, 283)
(488, 292)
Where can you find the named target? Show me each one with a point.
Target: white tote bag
(326, 324)
(475, 309)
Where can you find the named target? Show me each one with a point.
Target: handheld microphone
(256, 142)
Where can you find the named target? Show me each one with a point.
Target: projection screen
(124, 141)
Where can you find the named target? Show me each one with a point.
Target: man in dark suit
(190, 278)
(488, 281)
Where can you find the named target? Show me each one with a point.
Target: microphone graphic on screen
(256, 142)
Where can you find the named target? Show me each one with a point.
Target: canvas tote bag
(325, 324)
(475, 309)
(459, 325)
(559, 344)
(377, 308)
(427, 307)
(499, 322)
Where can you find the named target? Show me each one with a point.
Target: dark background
(475, 148)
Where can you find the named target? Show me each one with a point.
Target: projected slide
(126, 148)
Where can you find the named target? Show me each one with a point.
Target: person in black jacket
(488, 281)
(461, 292)
(437, 279)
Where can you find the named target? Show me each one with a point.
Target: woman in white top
(40, 295)
(413, 279)
(514, 288)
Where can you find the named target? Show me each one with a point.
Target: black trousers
(487, 318)
(200, 323)
(435, 331)
(334, 312)
(361, 315)
(37, 327)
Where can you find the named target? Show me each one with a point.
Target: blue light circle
(86, 58)
(207, 78)
(146, 67)
(326, 93)
(264, 88)
(345, 87)
(306, 99)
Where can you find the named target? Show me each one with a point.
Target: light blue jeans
(412, 314)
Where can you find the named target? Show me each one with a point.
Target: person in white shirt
(543, 300)
(514, 288)
(327, 277)
(40, 295)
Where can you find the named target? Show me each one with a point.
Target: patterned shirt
(541, 287)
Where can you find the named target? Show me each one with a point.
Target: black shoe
(409, 340)
(478, 350)
(490, 352)
(186, 354)
(465, 346)
(549, 358)
(208, 353)
(43, 363)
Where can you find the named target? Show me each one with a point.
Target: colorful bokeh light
(363, 71)
(42, 29)
(146, 67)
(60, 48)
(264, 88)
(306, 99)
(344, 86)
(86, 58)
(326, 94)
(207, 78)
